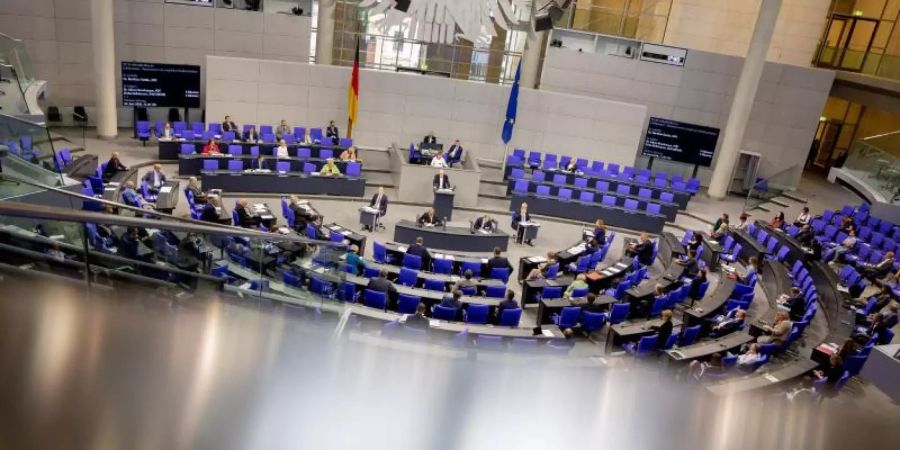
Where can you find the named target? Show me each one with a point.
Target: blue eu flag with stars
(511, 108)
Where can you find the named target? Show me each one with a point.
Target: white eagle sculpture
(443, 21)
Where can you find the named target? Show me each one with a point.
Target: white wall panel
(401, 108)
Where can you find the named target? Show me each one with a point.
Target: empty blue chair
(254, 151)
(581, 182)
(434, 285)
(619, 312)
(234, 165)
(631, 204)
(654, 208)
(473, 266)
(495, 291)
(538, 175)
(412, 261)
(586, 197)
(559, 179)
(667, 197)
(623, 189)
(375, 299)
(188, 149)
(444, 313)
(468, 291)
(608, 200)
(591, 321)
(565, 194)
(602, 186)
(309, 167)
(325, 153)
(517, 174)
(407, 304)
(210, 164)
(644, 193)
(443, 266)
(689, 335)
(543, 191)
(408, 277)
(660, 183)
(500, 273)
(142, 128)
(552, 271)
(283, 166)
(658, 304)
(477, 314)
(304, 153)
(568, 317)
(551, 292)
(229, 136)
(510, 317)
(521, 187)
(235, 149)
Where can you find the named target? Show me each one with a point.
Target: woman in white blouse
(281, 151)
(803, 218)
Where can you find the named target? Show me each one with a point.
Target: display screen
(681, 142)
(166, 85)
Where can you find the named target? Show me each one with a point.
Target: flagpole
(505, 157)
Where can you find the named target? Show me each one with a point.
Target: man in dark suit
(245, 219)
(509, 302)
(418, 249)
(499, 261)
(332, 132)
(382, 284)
(380, 201)
(879, 269)
(429, 138)
(796, 304)
(441, 180)
(210, 213)
(418, 320)
(429, 218)
(690, 265)
(485, 223)
(643, 250)
(251, 135)
(155, 179)
(113, 166)
(228, 125)
(663, 330)
(452, 300)
(455, 153)
(730, 324)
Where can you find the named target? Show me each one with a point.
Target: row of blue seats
(198, 129)
(598, 168)
(599, 185)
(521, 187)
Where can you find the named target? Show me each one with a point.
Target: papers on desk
(771, 378)
(621, 265)
(57, 237)
(346, 232)
(547, 333)
(402, 248)
(165, 189)
(485, 232)
(713, 242)
(537, 259)
(369, 210)
(443, 256)
(842, 289)
(454, 278)
(484, 260)
(728, 268)
(434, 322)
(529, 224)
(266, 216)
(577, 249)
(606, 272)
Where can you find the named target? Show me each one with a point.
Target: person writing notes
(429, 218)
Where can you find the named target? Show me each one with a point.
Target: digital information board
(163, 85)
(671, 140)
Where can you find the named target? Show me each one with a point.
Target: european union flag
(511, 108)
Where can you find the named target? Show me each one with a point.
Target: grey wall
(782, 123)
(57, 34)
(401, 108)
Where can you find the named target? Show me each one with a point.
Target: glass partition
(873, 161)
(766, 189)
(26, 151)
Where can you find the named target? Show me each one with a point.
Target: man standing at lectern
(441, 180)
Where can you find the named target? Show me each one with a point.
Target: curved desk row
(589, 212)
(450, 238)
(670, 210)
(423, 276)
(396, 251)
(170, 149)
(670, 248)
(681, 197)
(283, 183)
(709, 347)
(647, 290)
(710, 304)
(195, 164)
(749, 246)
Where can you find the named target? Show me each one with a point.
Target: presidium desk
(259, 182)
(460, 239)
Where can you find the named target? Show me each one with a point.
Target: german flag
(353, 94)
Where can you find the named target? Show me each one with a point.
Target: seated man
(429, 218)
(429, 138)
(509, 302)
(691, 266)
(805, 236)
(131, 198)
(155, 179)
(795, 304)
(210, 211)
(747, 361)
(282, 130)
(113, 166)
(382, 284)
(731, 322)
(452, 300)
(228, 125)
(245, 218)
(879, 269)
(438, 160)
(466, 281)
(418, 249)
(330, 168)
(485, 223)
(418, 320)
(302, 215)
(848, 244)
(195, 190)
(455, 153)
(498, 261)
(778, 332)
(643, 250)
(251, 135)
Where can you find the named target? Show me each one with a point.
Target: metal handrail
(31, 211)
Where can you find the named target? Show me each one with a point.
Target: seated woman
(211, 148)
(349, 154)
(748, 360)
(194, 188)
(541, 270)
(778, 221)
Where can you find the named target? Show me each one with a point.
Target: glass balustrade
(873, 160)
(768, 188)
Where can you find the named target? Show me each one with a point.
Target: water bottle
(444, 222)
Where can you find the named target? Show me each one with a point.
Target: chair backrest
(408, 277)
(565, 194)
(586, 197)
(631, 204)
(551, 292)
(581, 182)
(441, 265)
(608, 200)
(500, 273)
(559, 179)
(434, 284)
(444, 312)
(569, 316)
(619, 312)
(477, 314)
(510, 317)
(210, 164)
(407, 304)
(543, 190)
(234, 165)
(654, 208)
(474, 266)
(644, 193)
(496, 291)
(412, 261)
(521, 186)
(689, 335)
(623, 189)
(517, 174)
(602, 186)
(375, 299)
